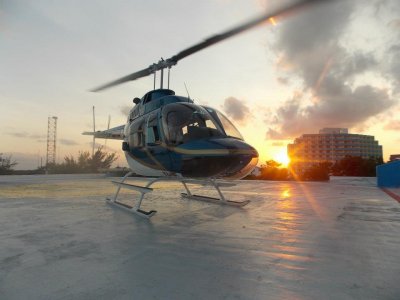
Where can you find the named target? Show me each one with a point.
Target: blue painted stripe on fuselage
(215, 147)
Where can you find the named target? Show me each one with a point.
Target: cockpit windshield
(229, 128)
(184, 122)
(227, 125)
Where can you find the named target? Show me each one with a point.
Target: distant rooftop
(394, 157)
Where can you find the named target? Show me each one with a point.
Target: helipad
(336, 240)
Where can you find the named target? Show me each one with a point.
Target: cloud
(40, 138)
(274, 135)
(235, 109)
(26, 161)
(395, 24)
(393, 55)
(102, 146)
(24, 134)
(393, 125)
(277, 144)
(125, 109)
(343, 108)
(311, 45)
(390, 10)
(18, 134)
(67, 142)
(283, 80)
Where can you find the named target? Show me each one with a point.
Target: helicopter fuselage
(167, 134)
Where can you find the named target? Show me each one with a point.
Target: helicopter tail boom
(116, 133)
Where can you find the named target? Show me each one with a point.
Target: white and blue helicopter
(169, 137)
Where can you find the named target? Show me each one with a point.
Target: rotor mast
(160, 66)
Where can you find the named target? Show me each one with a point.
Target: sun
(282, 158)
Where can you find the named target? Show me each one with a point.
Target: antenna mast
(187, 91)
(51, 141)
(169, 69)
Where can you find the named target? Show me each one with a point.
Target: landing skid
(215, 200)
(140, 212)
(143, 190)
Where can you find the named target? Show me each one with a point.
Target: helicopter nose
(243, 157)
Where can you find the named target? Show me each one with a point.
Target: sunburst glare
(282, 158)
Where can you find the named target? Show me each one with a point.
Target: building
(394, 157)
(331, 145)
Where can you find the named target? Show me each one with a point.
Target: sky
(335, 65)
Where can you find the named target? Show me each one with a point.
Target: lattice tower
(51, 140)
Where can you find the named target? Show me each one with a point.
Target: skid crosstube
(188, 195)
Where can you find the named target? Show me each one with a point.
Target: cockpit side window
(137, 137)
(153, 135)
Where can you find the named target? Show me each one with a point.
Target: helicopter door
(156, 151)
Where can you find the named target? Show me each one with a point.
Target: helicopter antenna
(173, 60)
(187, 91)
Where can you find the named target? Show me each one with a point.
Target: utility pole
(108, 127)
(94, 131)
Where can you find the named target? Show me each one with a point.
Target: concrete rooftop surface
(325, 240)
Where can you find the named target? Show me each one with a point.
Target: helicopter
(169, 137)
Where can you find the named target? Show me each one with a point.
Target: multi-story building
(331, 144)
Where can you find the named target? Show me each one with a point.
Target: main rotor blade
(133, 76)
(241, 28)
(208, 42)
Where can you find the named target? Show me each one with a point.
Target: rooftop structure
(394, 157)
(336, 240)
(388, 175)
(333, 130)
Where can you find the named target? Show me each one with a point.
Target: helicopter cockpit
(185, 122)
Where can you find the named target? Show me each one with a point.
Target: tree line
(6, 164)
(271, 170)
(347, 166)
(83, 163)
